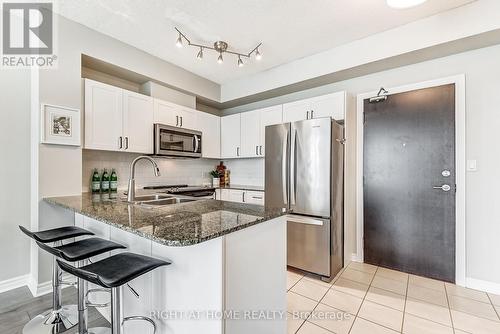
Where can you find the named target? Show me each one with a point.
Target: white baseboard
(486, 286)
(46, 287)
(14, 283)
(356, 258)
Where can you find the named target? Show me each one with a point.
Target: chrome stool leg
(60, 318)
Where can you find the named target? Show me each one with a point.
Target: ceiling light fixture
(219, 47)
(402, 4)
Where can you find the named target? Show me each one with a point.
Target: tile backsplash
(173, 171)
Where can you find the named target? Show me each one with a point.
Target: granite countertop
(180, 224)
(243, 187)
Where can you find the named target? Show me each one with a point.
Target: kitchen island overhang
(228, 272)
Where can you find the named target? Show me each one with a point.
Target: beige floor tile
(293, 324)
(317, 280)
(357, 276)
(292, 278)
(381, 315)
(309, 289)
(297, 303)
(416, 325)
(392, 274)
(426, 282)
(332, 319)
(390, 285)
(364, 267)
(473, 324)
(428, 311)
(460, 291)
(386, 298)
(362, 326)
(458, 331)
(350, 287)
(473, 307)
(342, 301)
(310, 328)
(495, 299)
(428, 295)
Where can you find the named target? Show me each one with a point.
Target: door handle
(121, 142)
(176, 120)
(305, 221)
(444, 187)
(126, 143)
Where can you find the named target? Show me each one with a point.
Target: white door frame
(460, 166)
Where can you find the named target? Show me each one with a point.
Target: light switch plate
(471, 165)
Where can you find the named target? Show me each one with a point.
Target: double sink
(158, 200)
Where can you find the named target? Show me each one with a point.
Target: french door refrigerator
(304, 175)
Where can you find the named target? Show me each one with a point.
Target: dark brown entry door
(409, 151)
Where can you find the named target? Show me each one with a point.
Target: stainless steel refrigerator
(304, 173)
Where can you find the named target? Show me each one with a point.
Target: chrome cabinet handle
(176, 120)
(312, 114)
(243, 197)
(307, 114)
(121, 142)
(237, 151)
(444, 187)
(260, 150)
(257, 150)
(126, 143)
(256, 197)
(181, 121)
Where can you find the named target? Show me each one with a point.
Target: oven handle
(196, 143)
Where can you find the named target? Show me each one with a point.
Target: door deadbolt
(446, 173)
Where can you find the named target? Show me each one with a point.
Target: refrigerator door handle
(284, 169)
(293, 161)
(304, 220)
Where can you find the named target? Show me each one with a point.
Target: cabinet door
(250, 134)
(268, 116)
(138, 122)
(254, 197)
(230, 136)
(188, 118)
(209, 125)
(296, 111)
(103, 116)
(224, 195)
(236, 195)
(331, 105)
(166, 113)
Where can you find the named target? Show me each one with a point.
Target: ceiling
(288, 29)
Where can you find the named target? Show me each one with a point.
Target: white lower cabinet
(142, 285)
(240, 196)
(236, 195)
(254, 197)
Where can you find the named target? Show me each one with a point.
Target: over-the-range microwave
(173, 141)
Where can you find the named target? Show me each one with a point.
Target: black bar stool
(112, 273)
(81, 252)
(59, 318)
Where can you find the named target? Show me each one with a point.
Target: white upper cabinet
(330, 105)
(250, 134)
(137, 122)
(268, 116)
(117, 120)
(103, 116)
(169, 113)
(209, 125)
(231, 136)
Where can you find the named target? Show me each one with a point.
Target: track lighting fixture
(220, 47)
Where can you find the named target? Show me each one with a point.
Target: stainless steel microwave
(176, 142)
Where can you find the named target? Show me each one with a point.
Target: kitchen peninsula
(226, 257)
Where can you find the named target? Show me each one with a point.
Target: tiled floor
(365, 299)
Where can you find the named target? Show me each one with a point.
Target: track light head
(258, 55)
(178, 43)
(200, 54)
(220, 60)
(240, 62)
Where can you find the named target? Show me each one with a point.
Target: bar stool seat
(56, 234)
(115, 270)
(112, 273)
(82, 249)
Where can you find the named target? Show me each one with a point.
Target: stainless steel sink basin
(155, 197)
(157, 200)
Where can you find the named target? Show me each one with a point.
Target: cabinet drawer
(254, 197)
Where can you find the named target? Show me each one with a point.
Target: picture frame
(60, 125)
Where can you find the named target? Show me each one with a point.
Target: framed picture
(60, 125)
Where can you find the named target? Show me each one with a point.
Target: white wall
(173, 171)
(247, 172)
(482, 71)
(14, 172)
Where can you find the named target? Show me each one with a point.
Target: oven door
(177, 142)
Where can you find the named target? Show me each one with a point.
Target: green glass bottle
(105, 181)
(96, 182)
(113, 183)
